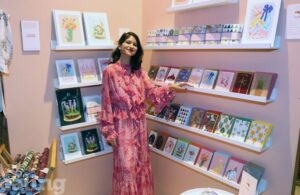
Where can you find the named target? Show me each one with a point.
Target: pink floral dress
(123, 118)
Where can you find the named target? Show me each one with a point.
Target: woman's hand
(178, 87)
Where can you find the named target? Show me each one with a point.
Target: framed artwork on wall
(261, 21)
(96, 28)
(68, 28)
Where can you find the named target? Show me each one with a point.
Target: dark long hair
(136, 60)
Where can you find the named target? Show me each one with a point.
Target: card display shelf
(201, 4)
(58, 86)
(88, 156)
(239, 96)
(212, 135)
(274, 46)
(260, 189)
(77, 125)
(56, 47)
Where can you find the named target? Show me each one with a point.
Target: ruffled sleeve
(106, 115)
(159, 96)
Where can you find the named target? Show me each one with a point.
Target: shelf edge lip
(56, 47)
(88, 156)
(214, 47)
(199, 5)
(210, 135)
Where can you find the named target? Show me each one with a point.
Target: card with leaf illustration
(224, 125)
(259, 133)
(263, 84)
(240, 129)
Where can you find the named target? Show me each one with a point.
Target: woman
(123, 123)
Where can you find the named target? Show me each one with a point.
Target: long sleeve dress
(123, 118)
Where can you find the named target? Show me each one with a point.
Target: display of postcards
(233, 171)
(198, 35)
(213, 33)
(224, 125)
(208, 79)
(152, 72)
(240, 129)
(87, 70)
(163, 112)
(224, 80)
(170, 145)
(161, 36)
(196, 117)
(204, 158)
(70, 146)
(210, 120)
(196, 76)
(152, 137)
(180, 148)
(263, 84)
(162, 73)
(90, 141)
(191, 153)
(151, 38)
(254, 170)
(70, 107)
(232, 33)
(258, 133)
(92, 107)
(183, 115)
(184, 75)
(172, 38)
(219, 162)
(172, 75)
(161, 140)
(172, 112)
(242, 82)
(184, 35)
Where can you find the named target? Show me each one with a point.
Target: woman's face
(129, 47)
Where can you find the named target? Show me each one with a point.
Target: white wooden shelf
(201, 4)
(261, 186)
(57, 86)
(78, 125)
(54, 46)
(274, 46)
(239, 96)
(88, 156)
(212, 135)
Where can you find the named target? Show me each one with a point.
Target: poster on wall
(261, 21)
(68, 28)
(293, 22)
(96, 28)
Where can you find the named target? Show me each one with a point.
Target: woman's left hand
(178, 87)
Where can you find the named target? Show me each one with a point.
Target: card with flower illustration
(180, 148)
(259, 133)
(234, 169)
(68, 28)
(240, 129)
(191, 153)
(87, 70)
(204, 158)
(170, 145)
(96, 28)
(219, 163)
(224, 80)
(196, 76)
(261, 20)
(224, 125)
(208, 79)
(66, 72)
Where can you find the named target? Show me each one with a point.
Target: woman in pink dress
(123, 122)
